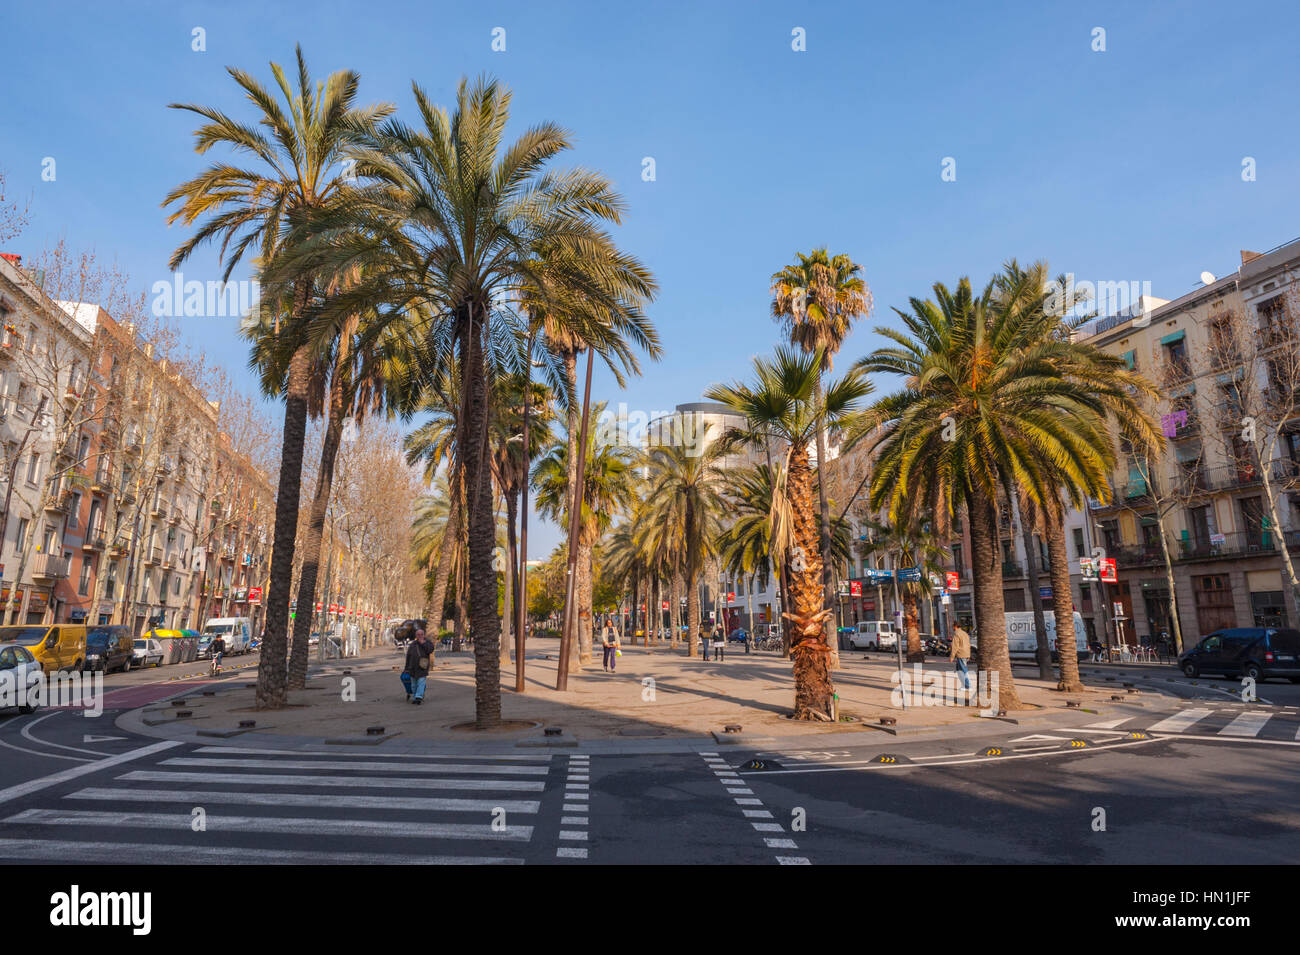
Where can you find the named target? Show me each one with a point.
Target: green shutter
(1173, 337)
(1130, 359)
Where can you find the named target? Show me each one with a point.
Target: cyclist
(217, 648)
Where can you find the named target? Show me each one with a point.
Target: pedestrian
(418, 652)
(960, 653)
(704, 644)
(609, 637)
(719, 643)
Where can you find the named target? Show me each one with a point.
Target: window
(74, 511)
(1268, 608)
(1078, 542)
(176, 585)
(957, 562)
(1252, 519)
(83, 583)
(83, 450)
(20, 540)
(1014, 600)
(33, 468)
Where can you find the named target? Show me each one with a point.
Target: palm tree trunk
(805, 615)
(693, 614)
(316, 526)
(990, 608)
(1067, 652)
(584, 621)
(485, 624)
(828, 582)
(516, 590)
(1044, 652)
(272, 671)
(450, 542)
(915, 654)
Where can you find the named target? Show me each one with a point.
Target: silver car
(16, 668)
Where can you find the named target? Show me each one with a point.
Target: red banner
(1108, 572)
(952, 581)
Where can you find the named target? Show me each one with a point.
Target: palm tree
(448, 228)
(982, 410)
(300, 151)
(1122, 397)
(607, 492)
(683, 508)
(783, 403)
(817, 299)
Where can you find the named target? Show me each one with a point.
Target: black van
(109, 649)
(1256, 652)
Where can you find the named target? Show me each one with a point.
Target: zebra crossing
(1262, 724)
(215, 804)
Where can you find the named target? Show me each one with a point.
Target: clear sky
(1117, 165)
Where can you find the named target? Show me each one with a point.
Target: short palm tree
(682, 511)
(299, 152)
(782, 403)
(913, 545)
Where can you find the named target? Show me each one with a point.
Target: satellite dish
(1207, 278)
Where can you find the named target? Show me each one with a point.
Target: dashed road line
(577, 793)
(729, 779)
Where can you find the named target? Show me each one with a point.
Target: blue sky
(1122, 165)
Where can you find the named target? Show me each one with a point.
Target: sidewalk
(657, 701)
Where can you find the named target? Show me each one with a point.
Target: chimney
(13, 258)
(1248, 256)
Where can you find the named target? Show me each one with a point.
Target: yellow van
(58, 647)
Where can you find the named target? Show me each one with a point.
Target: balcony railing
(1011, 569)
(49, 567)
(1236, 544)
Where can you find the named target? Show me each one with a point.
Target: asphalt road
(1213, 781)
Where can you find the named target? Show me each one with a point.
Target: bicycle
(215, 668)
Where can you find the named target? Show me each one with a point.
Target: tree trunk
(315, 531)
(693, 615)
(805, 615)
(514, 597)
(272, 671)
(584, 621)
(1067, 653)
(990, 608)
(451, 535)
(828, 582)
(485, 625)
(915, 652)
(1044, 651)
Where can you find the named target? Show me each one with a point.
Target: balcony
(117, 549)
(1139, 555)
(48, 568)
(155, 556)
(57, 503)
(1237, 544)
(102, 482)
(1276, 335)
(94, 539)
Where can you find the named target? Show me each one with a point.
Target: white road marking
(371, 782)
(1109, 724)
(1247, 724)
(368, 766)
(141, 853)
(1179, 721)
(198, 797)
(574, 835)
(571, 852)
(216, 822)
(334, 754)
(792, 860)
(36, 785)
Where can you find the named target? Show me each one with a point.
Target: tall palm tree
(782, 403)
(299, 152)
(982, 410)
(448, 226)
(817, 299)
(683, 506)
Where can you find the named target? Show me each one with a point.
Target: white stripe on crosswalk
(1247, 724)
(141, 853)
(1109, 724)
(504, 785)
(368, 766)
(199, 797)
(216, 822)
(254, 751)
(1179, 721)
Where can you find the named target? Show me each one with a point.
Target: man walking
(961, 652)
(414, 677)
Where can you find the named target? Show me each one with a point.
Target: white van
(874, 635)
(235, 632)
(1022, 636)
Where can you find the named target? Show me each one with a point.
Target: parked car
(739, 635)
(56, 648)
(874, 635)
(18, 669)
(1256, 652)
(146, 652)
(108, 649)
